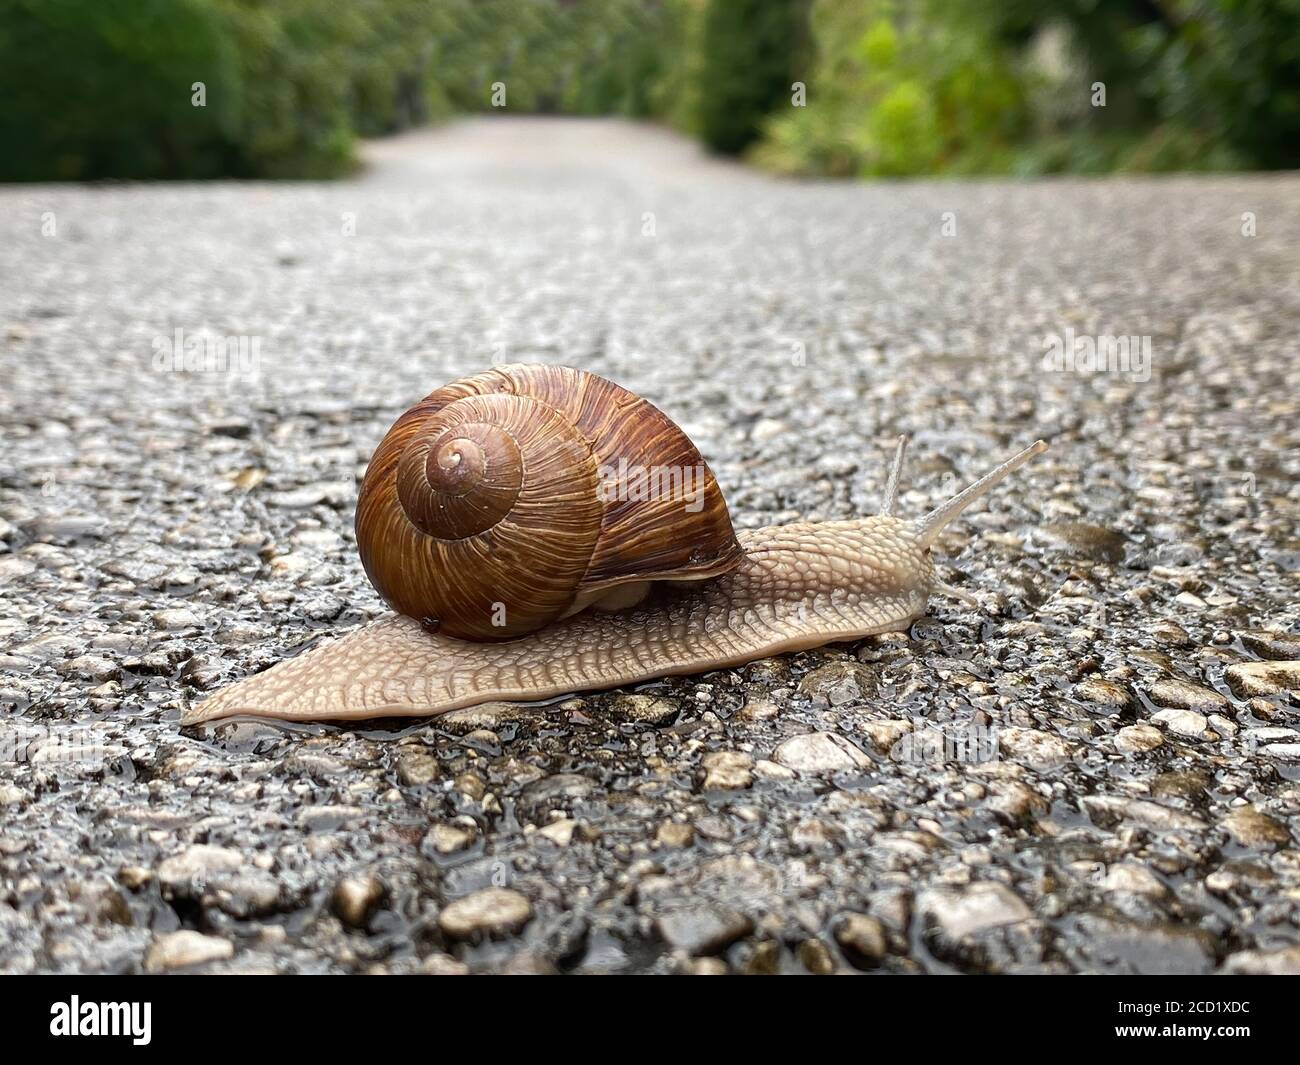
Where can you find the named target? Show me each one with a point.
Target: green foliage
(901, 89)
(963, 86)
(748, 50)
(92, 90)
(96, 89)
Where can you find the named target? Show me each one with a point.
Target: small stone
(884, 734)
(757, 710)
(93, 667)
(443, 965)
(1102, 692)
(766, 429)
(863, 937)
(416, 767)
(65, 529)
(245, 894)
(1108, 811)
(1286, 752)
(1035, 748)
(838, 683)
(491, 716)
(492, 911)
(175, 619)
(196, 864)
(1183, 695)
(1182, 722)
(820, 752)
(1284, 962)
(727, 770)
(961, 912)
(1133, 878)
(448, 839)
(1280, 646)
(1138, 739)
(1251, 827)
(1248, 679)
(1168, 632)
(646, 709)
(1082, 540)
(675, 835)
(769, 770)
(559, 832)
(176, 950)
(471, 785)
(816, 957)
(703, 930)
(355, 898)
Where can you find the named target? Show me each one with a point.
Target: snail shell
(507, 500)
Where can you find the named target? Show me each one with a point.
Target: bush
(748, 63)
(900, 89)
(90, 89)
(962, 86)
(94, 90)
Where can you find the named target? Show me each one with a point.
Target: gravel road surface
(1097, 771)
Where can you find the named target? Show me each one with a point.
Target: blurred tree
(749, 52)
(93, 90)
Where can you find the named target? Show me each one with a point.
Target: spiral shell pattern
(482, 510)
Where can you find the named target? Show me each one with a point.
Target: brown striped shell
(504, 501)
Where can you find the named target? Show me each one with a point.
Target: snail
(515, 523)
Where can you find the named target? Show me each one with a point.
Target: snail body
(675, 608)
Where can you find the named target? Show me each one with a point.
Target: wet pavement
(1098, 771)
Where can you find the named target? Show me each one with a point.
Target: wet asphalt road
(1099, 771)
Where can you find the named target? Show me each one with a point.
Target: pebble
(1281, 646)
(820, 752)
(961, 912)
(1133, 878)
(1182, 722)
(559, 832)
(728, 770)
(863, 936)
(1082, 540)
(1248, 679)
(884, 734)
(766, 429)
(177, 950)
(1110, 810)
(355, 898)
(646, 709)
(1251, 827)
(1138, 739)
(175, 619)
(1184, 695)
(448, 839)
(704, 929)
(416, 767)
(1103, 692)
(92, 667)
(197, 863)
(1284, 962)
(839, 683)
(675, 835)
(492, 911)
(1036, 748)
